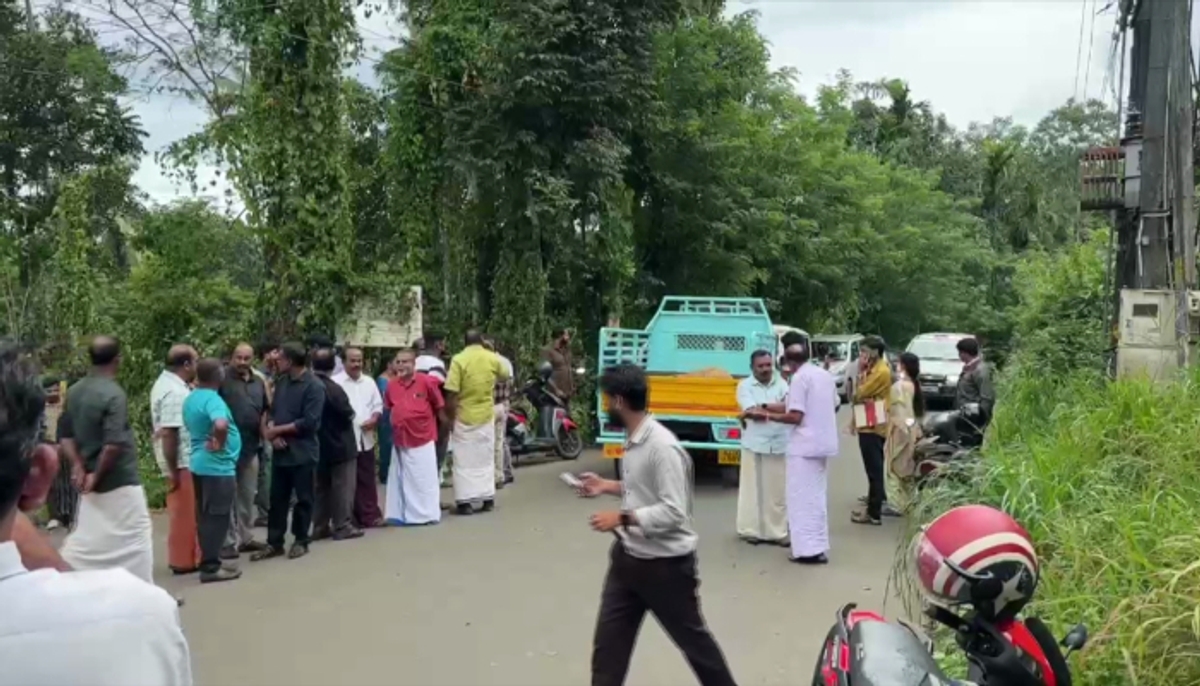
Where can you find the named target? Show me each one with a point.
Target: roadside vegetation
(1106, 478)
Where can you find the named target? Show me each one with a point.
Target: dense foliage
(530, 164)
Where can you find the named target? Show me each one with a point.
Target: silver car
(940, 364)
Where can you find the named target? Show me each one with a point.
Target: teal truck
(695, 351)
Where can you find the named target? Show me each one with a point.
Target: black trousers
(871, 447)
(287, 481)
(667, 587)
(214, 505)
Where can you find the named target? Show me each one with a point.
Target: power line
(1091, 41)
(1079, 47)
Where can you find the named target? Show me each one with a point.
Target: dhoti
(413, 488)
(113, 531)
(762, 495)
(474, 449)
(807, 511)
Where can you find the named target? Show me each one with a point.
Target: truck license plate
(613, 450)
(732, 457)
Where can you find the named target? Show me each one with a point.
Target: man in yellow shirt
(470, 387)
(874, 387)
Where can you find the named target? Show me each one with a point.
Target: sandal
(268, 553)
(861, 517)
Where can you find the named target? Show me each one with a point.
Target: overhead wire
(1091, 42)
(1079, 47)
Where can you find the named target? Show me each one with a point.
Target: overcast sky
(971, 59)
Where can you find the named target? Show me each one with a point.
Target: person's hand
(89, 483)
(77, 475)
(606, 521)
(370, 424)
(591, 485)
(278, 443)
(269, 434)
(172, 480)
(211, 445)
(756, 414)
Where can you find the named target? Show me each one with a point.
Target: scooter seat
(890, 654)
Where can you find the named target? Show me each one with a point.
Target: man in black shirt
(297, 405)
(337, 470)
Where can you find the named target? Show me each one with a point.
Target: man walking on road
(470, 399)
(246, 395)
(653, 563)
(295, 419)
(216, 448)
(114, 522)
(363, 393)
(761, 512)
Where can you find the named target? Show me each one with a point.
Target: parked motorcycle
(947, 440)
(553, 431)
(995, 575)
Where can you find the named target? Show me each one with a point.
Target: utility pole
(1153, 195)
(29, 20)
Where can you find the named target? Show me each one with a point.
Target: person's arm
(793, 412)
(337, 400)
(374, 409)
(220, 433)
(874, 385)
(987, 392)
(69, 449)
(451, 388)
(35, 550)
(436, 402)
(312, 405)
(670, 512)
(115, 421)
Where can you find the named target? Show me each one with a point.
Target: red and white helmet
(977, 555)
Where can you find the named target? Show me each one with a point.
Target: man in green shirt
(113, 521)
(470, 389)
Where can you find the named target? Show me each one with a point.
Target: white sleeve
(744, 398)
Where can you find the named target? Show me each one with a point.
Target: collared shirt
(975, 386)
(656, 486)
(298, 401)
(473, 376)
(247, 399)
(875, 384)
(367, 402)
(166, 412)
(813, 393)
(201, 411)
(98, 412)
(433, 366)
(504, 387)
(768, 438)
(100, 627)
(413, 405)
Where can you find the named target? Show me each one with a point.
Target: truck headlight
(952, 380)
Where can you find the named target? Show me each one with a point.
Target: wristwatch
(626, 519)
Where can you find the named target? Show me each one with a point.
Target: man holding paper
(872, 396)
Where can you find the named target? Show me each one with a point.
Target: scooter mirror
(1076, 638)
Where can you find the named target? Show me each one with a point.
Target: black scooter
(948, 440)
(554, 431)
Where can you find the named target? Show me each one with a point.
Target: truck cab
(695, 351)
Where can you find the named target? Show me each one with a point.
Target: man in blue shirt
(216, 445)
(761, 512)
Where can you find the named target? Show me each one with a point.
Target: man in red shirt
(416, 406)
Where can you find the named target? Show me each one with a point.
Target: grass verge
(1106, 478)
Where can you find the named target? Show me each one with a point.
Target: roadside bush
(1106, 478)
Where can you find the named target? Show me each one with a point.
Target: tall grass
(1106, 478)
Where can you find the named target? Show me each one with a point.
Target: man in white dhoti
(811, 409)
(415, 408)
(114, 522)
(470, 389)
(501, 398)
(761, 513)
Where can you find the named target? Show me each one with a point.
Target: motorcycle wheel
(569, 445)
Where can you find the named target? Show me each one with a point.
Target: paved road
(511, 597)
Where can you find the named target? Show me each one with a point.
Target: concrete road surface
(511, 597)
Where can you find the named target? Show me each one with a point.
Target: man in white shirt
(431, 350)
(502, 397)
(172, 446)
(103, 627)
(762, 496)
(364, 397)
